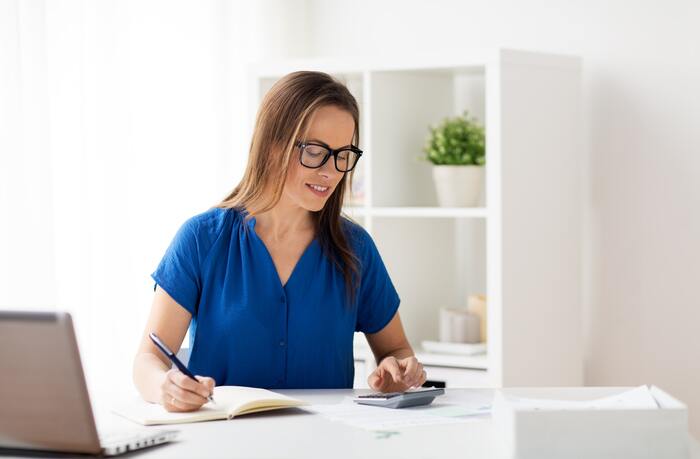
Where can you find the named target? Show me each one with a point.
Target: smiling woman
(273, 282)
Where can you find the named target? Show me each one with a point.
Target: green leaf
(458, 141)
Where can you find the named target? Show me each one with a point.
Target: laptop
(43, 395)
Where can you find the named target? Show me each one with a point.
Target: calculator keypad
(381, 395)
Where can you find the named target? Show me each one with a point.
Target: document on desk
(379, 418)
(637, 398)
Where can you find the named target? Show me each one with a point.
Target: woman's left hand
(397, 375)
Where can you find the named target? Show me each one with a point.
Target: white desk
(301, 435)
(296, 434)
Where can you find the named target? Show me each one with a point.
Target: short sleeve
(178, 272)
(378, 300)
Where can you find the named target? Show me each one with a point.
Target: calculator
(400, 399)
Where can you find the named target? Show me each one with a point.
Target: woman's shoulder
(208, 226)
(358, 236)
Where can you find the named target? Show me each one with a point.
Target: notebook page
(146, 413)
(241, 400)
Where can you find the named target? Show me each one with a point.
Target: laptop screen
(43, 394)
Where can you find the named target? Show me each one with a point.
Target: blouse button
(283, 299)
(282, 343)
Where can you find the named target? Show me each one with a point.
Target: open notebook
(230, 401)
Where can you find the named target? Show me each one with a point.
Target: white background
(118, 120)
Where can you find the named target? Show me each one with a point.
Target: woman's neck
(283, 220)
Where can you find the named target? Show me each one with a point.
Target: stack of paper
(639, 398)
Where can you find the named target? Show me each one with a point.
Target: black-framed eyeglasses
(314, 155)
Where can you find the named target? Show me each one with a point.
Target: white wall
(642, 112)
(118, 121)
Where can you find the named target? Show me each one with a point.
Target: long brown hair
(283, 118)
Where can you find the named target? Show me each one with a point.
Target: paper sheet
(637, 398)
(379, 418)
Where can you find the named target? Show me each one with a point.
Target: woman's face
(311, 188)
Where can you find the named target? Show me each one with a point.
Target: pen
(173, 358)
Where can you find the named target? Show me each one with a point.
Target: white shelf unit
(521, 246)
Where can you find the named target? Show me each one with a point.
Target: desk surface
(298, 434)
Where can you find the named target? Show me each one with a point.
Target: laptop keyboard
(119, 442)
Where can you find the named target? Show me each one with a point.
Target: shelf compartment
(435, 263)
(404, 106)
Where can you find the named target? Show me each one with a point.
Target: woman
(273, 281)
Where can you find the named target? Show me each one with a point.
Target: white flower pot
(458, 186)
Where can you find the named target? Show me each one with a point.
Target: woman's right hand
(180, 393)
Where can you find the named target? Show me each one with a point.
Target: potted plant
(457, 150)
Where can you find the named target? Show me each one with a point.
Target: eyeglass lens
(314, 155)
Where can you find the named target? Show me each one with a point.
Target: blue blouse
(248, 329)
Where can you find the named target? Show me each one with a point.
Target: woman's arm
(153, 378)
(397, 367)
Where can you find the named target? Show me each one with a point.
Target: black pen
(173, 358)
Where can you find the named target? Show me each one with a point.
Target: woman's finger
(418, 377)
(183, 406)
(181, 380)
(377, 380)
(208, 383)
(171, 403)
(391, 365)
(412, 371)
(186, 396)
